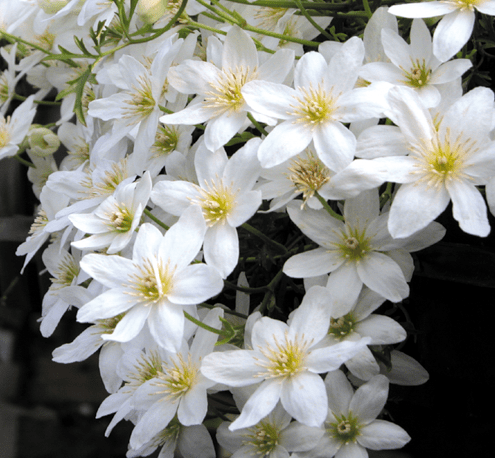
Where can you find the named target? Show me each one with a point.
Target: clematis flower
(446, 161)
(273, 437)
(455, 28)
(354, 252)
(414, 65)
(114, 222)
(351, 425)
(219, 85)
(323, 99)
(14, 129)
(224, 194)
(285, 363)
(156, 285)
(178, 387)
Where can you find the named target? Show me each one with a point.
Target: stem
(155, 219)
(312, 21)
(367, 8)
(278, 246)
(289, 4)
(328, 208)
(39, 102)
(257, 124)
(24, 161)
(202, 325)
(244, 289)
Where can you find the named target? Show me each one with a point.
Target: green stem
(271, 291)
(155, 219)
(202, 325)
(328, 208)
(312, 21)
(257, 124)
(367, 8)
(289, 4)
(226, 310)
(24, 161)
(278, 246)
(39, 102)
(244, 289)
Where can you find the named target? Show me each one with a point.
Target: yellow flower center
(440, 161)
(308, 175)
(226, 95)
(314, 105)
(178, 376)
(285, 359)
(142, 102)
(217, 201)
(262, 438)
(153, 282)
(418, 75)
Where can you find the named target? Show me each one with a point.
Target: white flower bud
(42, 141)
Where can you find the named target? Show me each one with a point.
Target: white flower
(414, 65)
(351, 425)
(359, 322)
(355, 252)
(14, 129)
(446, 161)
(224, 195)
(114, 222)
(221, 102)
(178, 388)
(273, 436)
(154, 286)
(455, 28)
(323, 99)
(137, 104)
(285, 364)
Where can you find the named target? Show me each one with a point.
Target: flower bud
(149, 11)
(42, 141)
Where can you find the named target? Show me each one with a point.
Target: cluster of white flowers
(212, 156)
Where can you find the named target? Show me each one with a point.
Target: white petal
(369, 399)
(259, 405)
(469, 208)
(221, 248)
(283, 142)
(383, 435)
(452, 33)
(305, 398)
(312, 263)
(381, 274)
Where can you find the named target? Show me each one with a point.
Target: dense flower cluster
(234, 209)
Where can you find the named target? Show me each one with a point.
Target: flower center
(442, 161)
(146, 368)
(418, 75)
(286, 359)
(170, 433)
(342, 327)
(39, 223)
(308, 175)
(166, 140)
(121, 219)
(267, 18)
(226, 94)
(314, 106)
(354, 245)
(346, 429)
(217, 201)
(66, 271)
(178, 376)
(142, 103)
(153, 282)
(104, 182)
(263, 438)
(463, 4)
